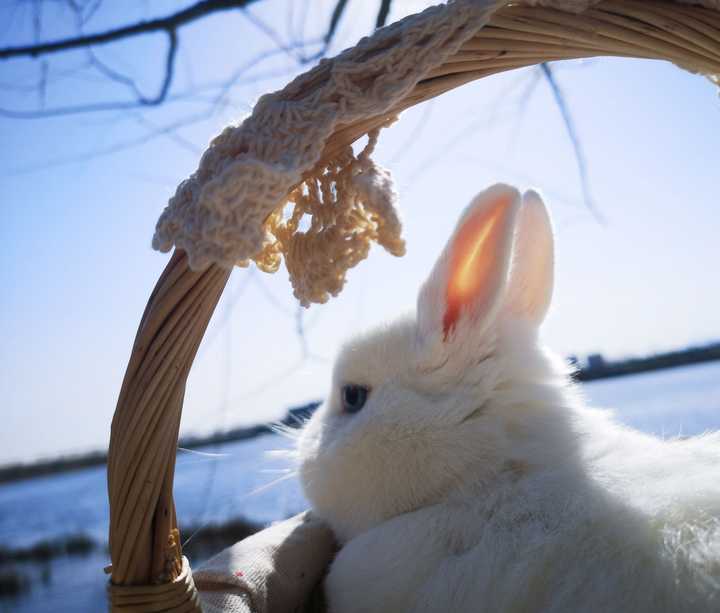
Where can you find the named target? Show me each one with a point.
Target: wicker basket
(148, 570)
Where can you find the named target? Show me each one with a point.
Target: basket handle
(144, 541)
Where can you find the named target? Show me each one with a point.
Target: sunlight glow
(472, 263)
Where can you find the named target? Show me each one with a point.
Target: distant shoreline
(595, 369)
(599, 369)
(20, 471)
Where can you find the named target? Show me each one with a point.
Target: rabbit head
(422, 407)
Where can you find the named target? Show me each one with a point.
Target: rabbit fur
(474, 479)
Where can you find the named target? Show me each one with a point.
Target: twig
(166, 130)
(171, 134)
(113, 74)
(167, 24)
(572, 134)
(383, 13)
(335, 20)
(169, 72)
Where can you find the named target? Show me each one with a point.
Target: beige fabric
(273, 571)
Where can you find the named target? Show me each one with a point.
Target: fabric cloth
(277, 570)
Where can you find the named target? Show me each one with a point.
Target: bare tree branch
(170, 26)
(27, 87)
(69, 110)
(500, 109)
(383, 13)
(171, 23)
(215, 96)
(240, 73)
(572, 134)
(83, 11)
(169, 72)
(113, 74)
(167, 130)
(215, 100)
(42, 86)
(335, 20)
(170, 132)
(293, 50)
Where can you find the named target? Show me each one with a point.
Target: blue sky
(77, 266)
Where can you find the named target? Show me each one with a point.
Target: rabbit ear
(531, 276)
(469, 278)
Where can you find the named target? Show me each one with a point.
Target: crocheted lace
(261, 192)
(233, 208)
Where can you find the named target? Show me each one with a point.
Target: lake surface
(235, 482)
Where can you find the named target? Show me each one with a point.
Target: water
(215, 489)
(680, 401)
(207, 490)
(76, 502)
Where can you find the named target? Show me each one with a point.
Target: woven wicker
(148, 570)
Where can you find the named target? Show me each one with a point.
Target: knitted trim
(230, 211)
(258, 180)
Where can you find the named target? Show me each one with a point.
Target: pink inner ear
(473, 265)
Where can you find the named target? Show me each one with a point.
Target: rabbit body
(474, 479)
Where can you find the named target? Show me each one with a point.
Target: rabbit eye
(353, 397)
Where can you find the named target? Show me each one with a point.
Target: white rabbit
(460, 471)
